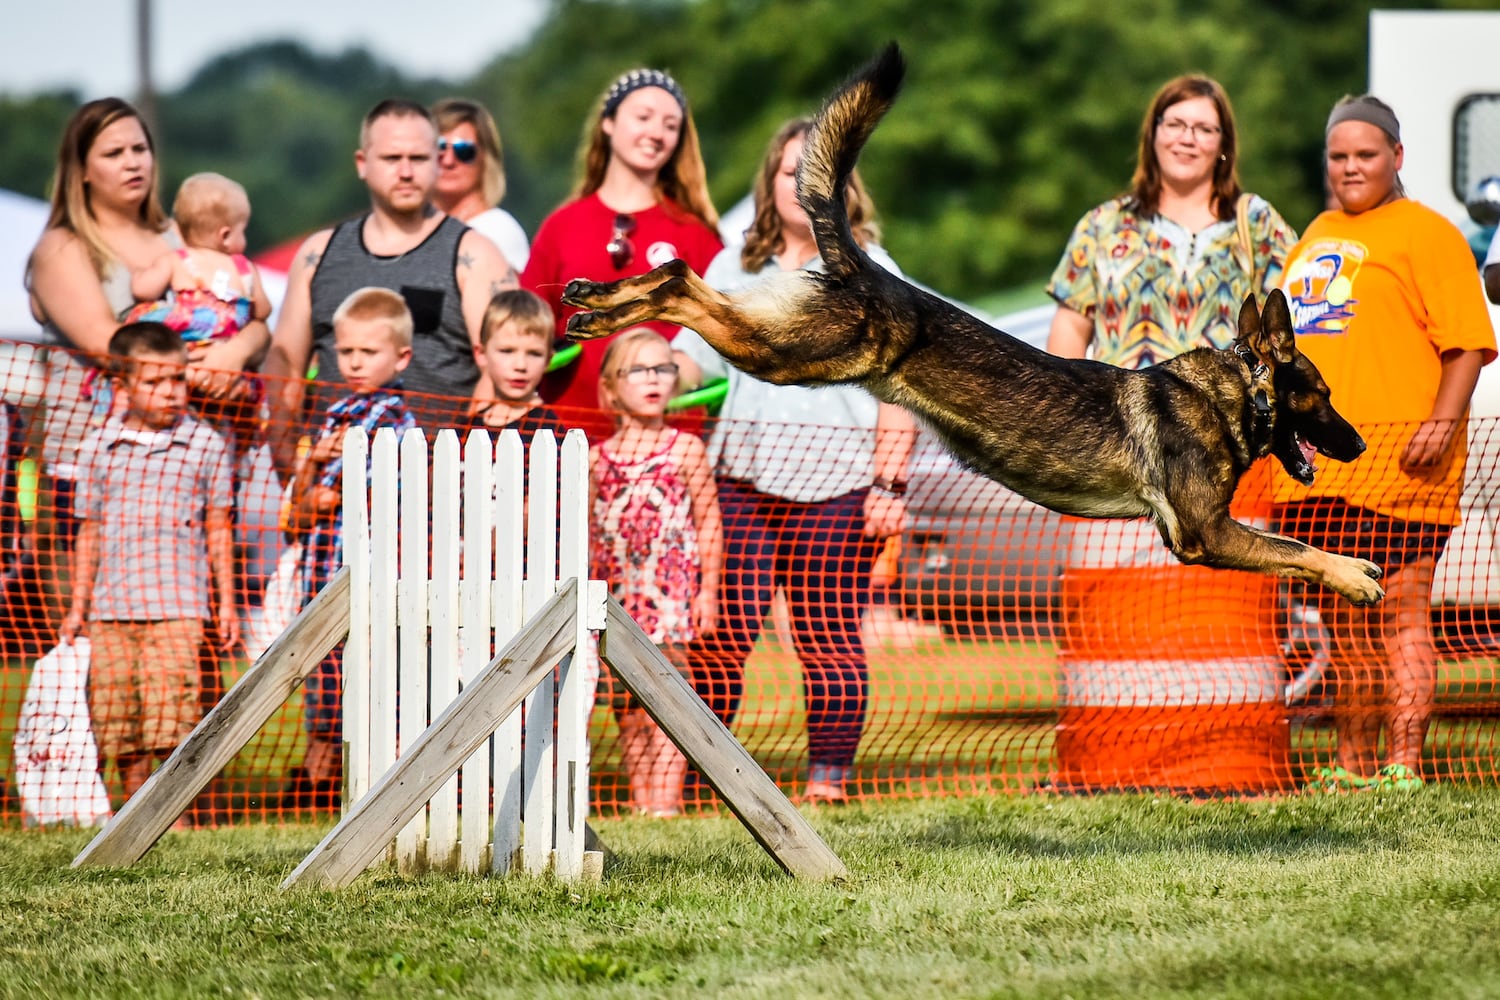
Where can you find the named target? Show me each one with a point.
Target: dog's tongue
(1309, 453)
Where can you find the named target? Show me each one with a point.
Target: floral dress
(644, 541)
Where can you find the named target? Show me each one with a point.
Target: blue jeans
(819, 554)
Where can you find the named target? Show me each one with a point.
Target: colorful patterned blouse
(1155, 290)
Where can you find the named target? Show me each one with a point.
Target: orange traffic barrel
(1171, 677)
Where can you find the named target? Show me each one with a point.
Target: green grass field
(989, 895)
(1017, 896)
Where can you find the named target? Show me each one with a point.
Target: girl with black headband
(642, 201)
(1385, 303)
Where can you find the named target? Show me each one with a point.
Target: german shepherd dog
(1169, 442)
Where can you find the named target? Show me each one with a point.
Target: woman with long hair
(810, 481)
(1164, 267)
(641, 200)
(106, 221)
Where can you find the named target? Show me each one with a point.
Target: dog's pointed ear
(1249, 319)
(1276, 323)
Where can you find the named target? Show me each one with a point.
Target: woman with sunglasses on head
(1165, 267)
(641, 202)
(811, 480)
(471, 176)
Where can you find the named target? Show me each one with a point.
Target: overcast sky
(90, 44)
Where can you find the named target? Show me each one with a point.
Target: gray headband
(1365, 111)
(635, 80)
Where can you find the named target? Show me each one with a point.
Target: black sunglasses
(621, 251)
(464, 151)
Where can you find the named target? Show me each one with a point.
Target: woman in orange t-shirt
(1386, 302)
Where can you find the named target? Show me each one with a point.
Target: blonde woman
(471, 176)
(810, 482)
(107, 221)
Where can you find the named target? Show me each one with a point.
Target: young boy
(515, 346)
(153, 500)
(372, 334)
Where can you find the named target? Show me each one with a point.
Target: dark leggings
(818, 553)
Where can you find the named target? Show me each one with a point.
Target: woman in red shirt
(642, 201)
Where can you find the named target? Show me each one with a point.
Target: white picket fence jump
(448, 560)
(455, 579)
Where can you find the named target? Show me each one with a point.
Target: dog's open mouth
(1307, 467)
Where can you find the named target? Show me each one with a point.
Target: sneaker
(1332, 780)
(1398, 778)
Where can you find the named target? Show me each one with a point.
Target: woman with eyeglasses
(471, 176)
(1164, 267)
(811, 480)
(641, 202)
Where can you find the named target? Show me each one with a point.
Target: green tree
(284, 122)
(1017, 116)
(30, 129)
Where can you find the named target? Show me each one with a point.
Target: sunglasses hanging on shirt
(621, 251)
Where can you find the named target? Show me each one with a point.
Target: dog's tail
(831, 149)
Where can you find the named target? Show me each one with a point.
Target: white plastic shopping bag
(57, 762)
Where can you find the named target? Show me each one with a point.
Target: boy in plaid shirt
(153, 500)
(372, 332)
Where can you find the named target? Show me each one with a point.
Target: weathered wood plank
(743, 785)
(225, 730)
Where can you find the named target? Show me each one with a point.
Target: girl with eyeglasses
(471, 176)
(656, 539)
(641, 202)
(1164, 267)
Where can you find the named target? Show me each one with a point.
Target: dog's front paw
(587, 326)
(1355, 580)
(588, 294)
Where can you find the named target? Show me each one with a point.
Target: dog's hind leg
(1226, 543)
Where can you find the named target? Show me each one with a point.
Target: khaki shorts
(143, 684)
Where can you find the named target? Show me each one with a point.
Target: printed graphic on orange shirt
(1320, 286)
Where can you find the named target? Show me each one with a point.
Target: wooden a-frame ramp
(523, 662)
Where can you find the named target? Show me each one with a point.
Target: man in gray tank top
(446, 272)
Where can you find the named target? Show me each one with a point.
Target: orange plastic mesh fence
(994, 645)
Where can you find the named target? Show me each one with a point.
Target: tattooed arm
(291, 349)
(481, 271)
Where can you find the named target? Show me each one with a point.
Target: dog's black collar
(1258, 368)
(1258, 397)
